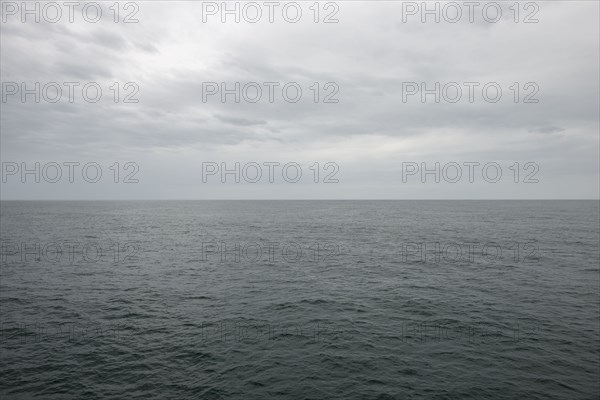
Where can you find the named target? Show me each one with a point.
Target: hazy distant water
(358, 315)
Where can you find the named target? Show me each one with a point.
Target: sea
(300, 299)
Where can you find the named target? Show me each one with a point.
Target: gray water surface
(300, 299)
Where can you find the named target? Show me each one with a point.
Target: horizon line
(425, 199)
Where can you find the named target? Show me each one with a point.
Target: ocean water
(300, 300)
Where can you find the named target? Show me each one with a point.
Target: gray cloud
(369, 55)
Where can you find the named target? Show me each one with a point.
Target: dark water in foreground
(290, 300)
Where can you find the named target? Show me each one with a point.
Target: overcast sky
(369, 55)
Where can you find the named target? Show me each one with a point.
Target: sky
(361, 129)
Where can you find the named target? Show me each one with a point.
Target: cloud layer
(366, 61)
